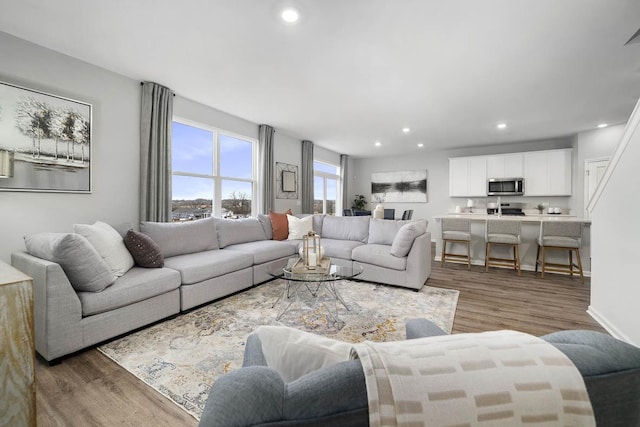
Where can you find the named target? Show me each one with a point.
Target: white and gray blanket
(501, 378)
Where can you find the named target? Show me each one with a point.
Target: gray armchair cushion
(82, 264)
(383, 231)
(379, 255)
(355, 228)
(179, 238)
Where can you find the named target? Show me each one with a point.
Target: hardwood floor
(91, 390)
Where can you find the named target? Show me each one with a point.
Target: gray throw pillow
(83, 265)
(406, 235)
(144, 250)
(235, 231)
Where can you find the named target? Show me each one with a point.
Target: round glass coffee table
(308, 291)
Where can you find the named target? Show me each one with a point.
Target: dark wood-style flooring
(89, 389)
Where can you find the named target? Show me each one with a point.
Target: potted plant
(540, 208)
(359, 202)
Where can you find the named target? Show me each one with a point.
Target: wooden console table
(17, 368)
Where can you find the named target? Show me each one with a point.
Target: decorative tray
(323, 268)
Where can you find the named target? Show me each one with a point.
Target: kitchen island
(530, 230)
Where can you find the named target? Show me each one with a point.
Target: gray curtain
(306, 188)
(155, 152)
(266, 165)
(344, 180)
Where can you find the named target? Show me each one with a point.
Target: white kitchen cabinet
(547, 173)
(505, 166)
(468, 176)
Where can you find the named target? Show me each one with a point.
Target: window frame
(216, 201)
(325, 176)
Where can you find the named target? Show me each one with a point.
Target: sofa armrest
(419, 261)
(422, 328)
(57, 310)
(253, 355)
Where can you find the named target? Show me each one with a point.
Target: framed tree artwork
(48, 139)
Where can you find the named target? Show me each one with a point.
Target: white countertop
(523, 218)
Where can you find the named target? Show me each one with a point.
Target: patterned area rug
(183, 356)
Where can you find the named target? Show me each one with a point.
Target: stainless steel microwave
(505, 186)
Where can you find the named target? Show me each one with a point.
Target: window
(325, 187)
(213, 172)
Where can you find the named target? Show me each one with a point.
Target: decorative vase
(378, 212)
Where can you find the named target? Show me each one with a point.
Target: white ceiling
(353, 72)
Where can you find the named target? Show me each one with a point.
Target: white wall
(115, 141)
(589, 145)
(615, 234)
(288, 150)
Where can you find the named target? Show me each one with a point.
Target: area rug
(182, 357)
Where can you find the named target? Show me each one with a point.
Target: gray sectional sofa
(205, 260)
(256, 394)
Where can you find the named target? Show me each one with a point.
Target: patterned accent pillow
(144, 250)
(280, 224)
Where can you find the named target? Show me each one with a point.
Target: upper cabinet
(547, 173)
(505, 166)
(468, 176)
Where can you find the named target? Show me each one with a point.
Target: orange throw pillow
(280, 224)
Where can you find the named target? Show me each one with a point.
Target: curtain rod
(174, 94)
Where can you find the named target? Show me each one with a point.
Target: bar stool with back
(506, 233)
(456, 230)
(560, 235)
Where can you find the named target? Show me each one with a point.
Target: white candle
(312, 259)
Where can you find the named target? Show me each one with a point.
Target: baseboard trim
(608, 326)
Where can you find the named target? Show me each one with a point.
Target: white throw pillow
(299, 227)
(109, 244)
(294, 353)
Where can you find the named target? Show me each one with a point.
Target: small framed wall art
(286, 181)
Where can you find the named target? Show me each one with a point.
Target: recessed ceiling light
(421, 145)
(378, 144)
(290, 15)
(602, 125)
(406, 130)
(502, 125)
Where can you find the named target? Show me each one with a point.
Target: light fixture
(406, 130)
(602, 125)
(6, 164)
(502, 125)
(378, 144)
(290, 15)
(420, 144)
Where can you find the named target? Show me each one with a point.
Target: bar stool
(505, 233)
(560, 235)
(456, 230)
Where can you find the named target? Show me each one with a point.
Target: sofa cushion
(234, 231)
(83, 265)
(355, 228)
(109, 244)
(265, 222)
(299, 227)
(265, 250)
(383, 231)
(339, 248)
(406, 235)
(294, 353)
(205, 265)
(379, 255)
(146, 253)
(280, 224)
(137, 285)
(179, 238)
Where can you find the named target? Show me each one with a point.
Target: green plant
(359, 202)
(540, 207)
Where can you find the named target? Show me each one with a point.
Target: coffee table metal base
(310, 294)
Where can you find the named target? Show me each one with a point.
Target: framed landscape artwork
(404, 186)
(48, 138)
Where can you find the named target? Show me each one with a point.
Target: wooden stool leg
(580, 264)
(468, 255)
(444, 250)
(537, 259)
(571, 262)
(544, 260)
(517, 249)
(487, 248)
